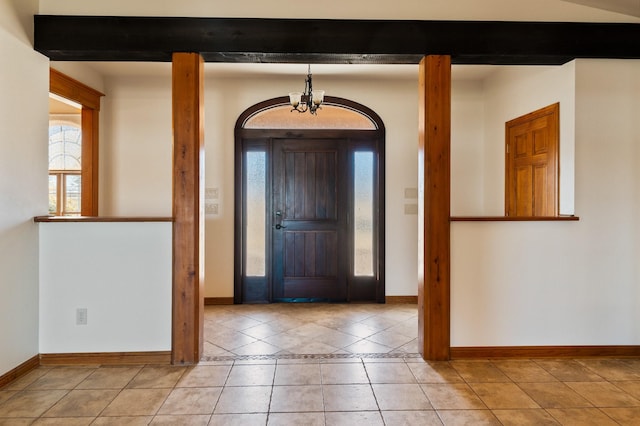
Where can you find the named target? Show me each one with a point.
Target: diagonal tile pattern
(326, 365)
(297, 329)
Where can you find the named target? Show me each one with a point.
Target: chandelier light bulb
(309, 100)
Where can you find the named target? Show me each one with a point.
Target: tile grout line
(375, 397)
(273, 381)
(118, 394)
(224, 385)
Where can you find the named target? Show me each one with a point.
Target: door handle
(279, 219)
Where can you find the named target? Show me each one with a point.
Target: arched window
(65, 165)
(330, 116)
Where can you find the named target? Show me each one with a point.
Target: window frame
(61, 190)
(69, 88)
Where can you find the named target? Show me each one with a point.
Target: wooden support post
(188, 208)
(433, 207)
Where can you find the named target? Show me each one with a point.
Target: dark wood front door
(309, 232)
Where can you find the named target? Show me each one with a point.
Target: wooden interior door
(532, 163)
(309, 233)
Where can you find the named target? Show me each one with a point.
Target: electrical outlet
(81, 316)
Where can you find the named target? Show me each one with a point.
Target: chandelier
(309, 100)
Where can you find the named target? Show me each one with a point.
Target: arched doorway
(309, 204)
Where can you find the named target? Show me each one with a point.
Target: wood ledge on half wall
(69, 219)
(514, 218)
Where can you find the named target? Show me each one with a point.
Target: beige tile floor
(309, 328)
(352, 383)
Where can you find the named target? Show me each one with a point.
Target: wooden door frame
(241, 133)
(62, 85)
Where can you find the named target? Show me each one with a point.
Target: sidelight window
(363, 200)
(256, 185)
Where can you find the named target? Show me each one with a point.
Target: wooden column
(433, 207)
(188, 208)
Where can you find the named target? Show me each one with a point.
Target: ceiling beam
(108, 38)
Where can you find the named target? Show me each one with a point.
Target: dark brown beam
(434, 189)
(105, 38)
(188, 209)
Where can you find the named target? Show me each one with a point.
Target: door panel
(310, 184)
(310, 254)
(540, 198)
(309, 233)
(523, 190)
(531, 187)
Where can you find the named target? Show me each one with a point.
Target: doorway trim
(377, 134)
(62, 85)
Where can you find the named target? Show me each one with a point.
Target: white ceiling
(229, 70)
(626, 7)
(469, 10)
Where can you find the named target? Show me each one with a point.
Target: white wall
(512, 92)
(467, 148)
(24, 84)
(16, 18)
(81, 72)
(608, 170)
(517, 283)
(480, 110)
(136, 147)
(137, 158)
(564, 283)
(120, 272)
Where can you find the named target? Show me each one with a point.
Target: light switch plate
(211, 193)
(81, 316)
(211, 208)
(411, 193)
(410, 209)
